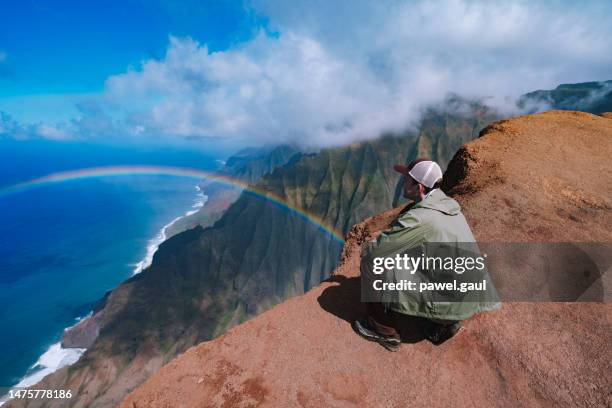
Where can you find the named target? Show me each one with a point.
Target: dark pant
(382, 320)
(386, 321)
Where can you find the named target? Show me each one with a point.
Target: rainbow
(94, 172)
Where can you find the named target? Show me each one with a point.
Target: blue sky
(260, 71)
(73, 46)
(60, 49)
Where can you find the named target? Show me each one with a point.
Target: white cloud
(51, 132)
(343, 71)
(268, 89)
(11, 128)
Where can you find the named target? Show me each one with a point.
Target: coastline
(156, 241)
(56, 356)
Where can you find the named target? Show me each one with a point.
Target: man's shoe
(364, 330)
(439, 333)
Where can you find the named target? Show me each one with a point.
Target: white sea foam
(162, 235)
(200, 200)
(50, 361)
(53, 359)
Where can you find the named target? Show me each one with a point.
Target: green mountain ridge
(593, 97)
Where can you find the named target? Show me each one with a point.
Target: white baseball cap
(426, 172)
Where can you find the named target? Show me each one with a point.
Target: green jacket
(436, 219)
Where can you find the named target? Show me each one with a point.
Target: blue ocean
(64, 245)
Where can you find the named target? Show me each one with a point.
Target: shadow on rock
(344, 301)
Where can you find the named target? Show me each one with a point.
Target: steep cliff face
(543, 177)
(445, 130)
(249, 165)
(204, 281)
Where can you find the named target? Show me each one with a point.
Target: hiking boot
(439, 333)
(391, 343)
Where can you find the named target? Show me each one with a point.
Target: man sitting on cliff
(433, 217)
